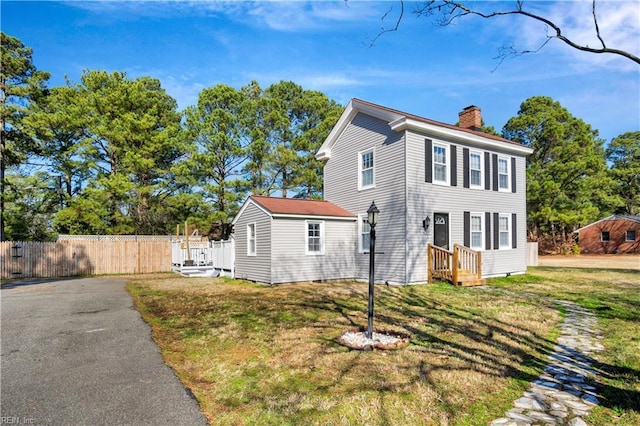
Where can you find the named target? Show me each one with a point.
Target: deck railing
(218, 254)
(468, 261)
(439, 263)
(457, 266)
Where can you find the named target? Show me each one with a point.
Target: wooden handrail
(439, 264)
(447, 265)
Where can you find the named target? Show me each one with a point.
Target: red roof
(438, 123)
(300, 207)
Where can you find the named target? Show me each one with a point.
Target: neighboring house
(280, 240)
(434, 183)
(613, 234)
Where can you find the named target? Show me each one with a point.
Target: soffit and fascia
(399, 121)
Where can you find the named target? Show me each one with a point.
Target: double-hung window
(475, 170)
(605, 236)
(630, 236)
(366, 170)
(363, 229)
(504, 177)
(477, 234)
(504, 228)
(315, 238)
(440, 164)
(251, 239)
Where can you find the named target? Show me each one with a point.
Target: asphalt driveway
(77, 352)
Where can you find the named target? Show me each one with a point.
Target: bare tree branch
(595, 22)
(385, 30)
(448, 11)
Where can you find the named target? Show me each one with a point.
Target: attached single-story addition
(611, 235)
(282, 240)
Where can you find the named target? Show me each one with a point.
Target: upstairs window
(630, 236)
(475, 170)
(315, 238)
(440, 165)
(503, 174)
(605, 236)
(366, 171)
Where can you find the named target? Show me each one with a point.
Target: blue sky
(326, 45)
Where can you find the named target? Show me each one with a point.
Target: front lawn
(268, 355)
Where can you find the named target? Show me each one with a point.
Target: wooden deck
(462, 266)
(203, 258)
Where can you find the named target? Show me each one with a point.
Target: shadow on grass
(445, 335)
(530, 349)
(518, 353)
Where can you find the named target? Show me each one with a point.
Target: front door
(441, 230)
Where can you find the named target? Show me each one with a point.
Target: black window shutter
(495, 172)
(428, 159)
(496, 231)
(487, 231)
(454, 166)
(465, 167)
(513, 174)
(514, 231)
(467, 229)
(487, 175)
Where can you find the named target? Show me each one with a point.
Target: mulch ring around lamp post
(381, 340)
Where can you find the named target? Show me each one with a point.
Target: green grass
(614, 295)
(269, 355)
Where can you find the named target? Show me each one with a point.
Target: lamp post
(372, 219)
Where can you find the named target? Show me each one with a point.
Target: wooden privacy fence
(71, 258)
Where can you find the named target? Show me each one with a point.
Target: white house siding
(290, 263)
(426, 198)
(341, 188)
(254, 268)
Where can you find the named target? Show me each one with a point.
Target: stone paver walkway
(565, 392)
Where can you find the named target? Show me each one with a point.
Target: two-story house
(434, 183)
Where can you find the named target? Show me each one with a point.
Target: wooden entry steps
(468, 279)
(462, 267)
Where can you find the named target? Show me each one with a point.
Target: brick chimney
(470, 118)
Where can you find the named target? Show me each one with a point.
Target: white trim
(286, 215)
(306, 238)
(244, 207)
(433, 229)
(352, 109)
(482, 231)
(508, 245)
(612, 217)
(626, 236)
(508, 161)
(481, 155)
(302, 216)
(459, 135)
(399, 122)
(362, 187)
(602, 240)
(447, 164)
(362, 218)
(255, 239)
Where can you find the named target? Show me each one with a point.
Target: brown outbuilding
(612, 235)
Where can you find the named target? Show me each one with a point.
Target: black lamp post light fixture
(372, 219)
(367, 340)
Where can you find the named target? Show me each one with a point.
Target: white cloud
(277, 15)
(304, 15)
(617, 21)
